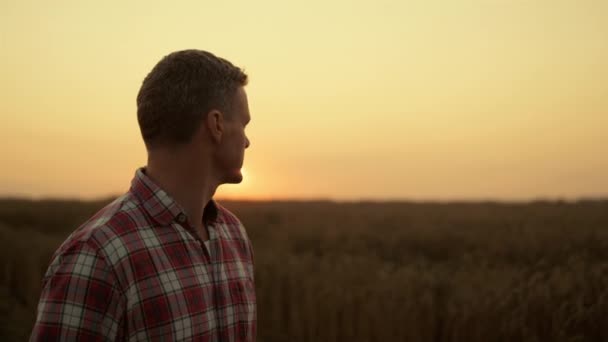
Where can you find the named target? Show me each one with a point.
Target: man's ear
(215, 125)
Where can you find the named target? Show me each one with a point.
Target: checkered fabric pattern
(137, 271)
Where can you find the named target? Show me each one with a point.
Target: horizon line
(531, 199)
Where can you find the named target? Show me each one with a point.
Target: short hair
(180, 90)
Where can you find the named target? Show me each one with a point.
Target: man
(165, 261)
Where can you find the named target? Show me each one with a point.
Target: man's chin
(235, 178)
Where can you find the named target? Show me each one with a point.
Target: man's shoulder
(234, 233)
(225, 215)
(115, 220)
(232, 223)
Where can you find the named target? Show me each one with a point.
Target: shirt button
(181, 218)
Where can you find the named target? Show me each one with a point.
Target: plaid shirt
(137, 271)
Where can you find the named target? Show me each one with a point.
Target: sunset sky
(423, 100)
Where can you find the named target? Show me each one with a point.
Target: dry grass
(379, 271)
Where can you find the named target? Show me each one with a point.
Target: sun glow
(236, 191)
(429, 100)
(245, 174)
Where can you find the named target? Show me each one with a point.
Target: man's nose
(247, 142)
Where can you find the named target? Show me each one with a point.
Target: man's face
(234, 142)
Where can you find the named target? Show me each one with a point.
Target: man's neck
(190, 187)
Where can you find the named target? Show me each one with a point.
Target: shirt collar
(159, 205)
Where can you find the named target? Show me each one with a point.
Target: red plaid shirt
(137, 271)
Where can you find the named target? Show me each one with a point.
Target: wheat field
(377, 271)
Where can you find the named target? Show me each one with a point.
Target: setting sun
(236, 191)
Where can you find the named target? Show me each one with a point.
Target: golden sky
(422, 99)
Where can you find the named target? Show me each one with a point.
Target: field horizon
(320, 199)
(376, 271)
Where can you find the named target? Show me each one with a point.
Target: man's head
(193, 98)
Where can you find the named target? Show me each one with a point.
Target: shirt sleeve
(80, 298)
